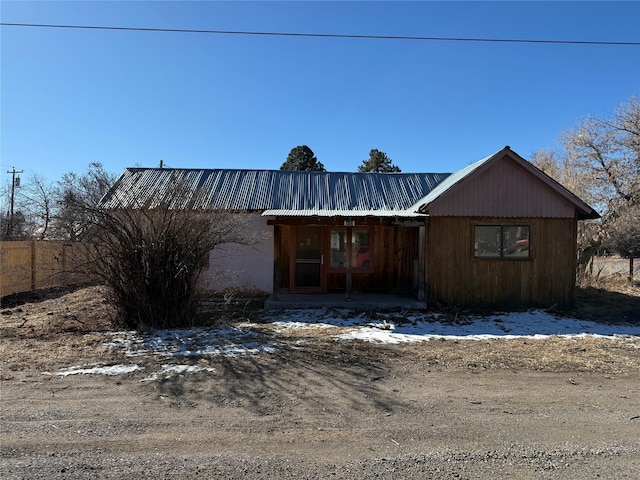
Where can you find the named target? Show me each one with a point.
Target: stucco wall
(248, 268)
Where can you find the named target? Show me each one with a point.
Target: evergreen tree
(302, 158)
(378, 162)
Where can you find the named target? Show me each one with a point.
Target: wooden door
(308, 271)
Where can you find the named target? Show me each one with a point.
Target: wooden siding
(394, 258)
(455, 277)
(503, 189)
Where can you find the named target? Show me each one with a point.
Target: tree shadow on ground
(39, 295)
(331, 378)
(605, 304)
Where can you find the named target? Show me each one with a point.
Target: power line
(323, 35)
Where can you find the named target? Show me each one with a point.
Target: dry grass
(619, 356)
(607, 266)
(53, 329)
(55, 311)
(553, 354)
(610, 298)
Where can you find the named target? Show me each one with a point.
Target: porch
(347, 261)
(359, 301)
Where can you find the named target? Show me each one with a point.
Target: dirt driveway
(314, 407)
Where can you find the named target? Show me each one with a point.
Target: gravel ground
(306, 418)
(513, 462)
(314, 408)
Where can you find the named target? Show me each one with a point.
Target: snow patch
(168, 371)
(394, 328)
(107, 370)
(195, 342)
(346, 325)
(378, 327)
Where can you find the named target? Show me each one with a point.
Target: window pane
(515, 241)
(487, 241)
(338, 248)
(360, 249)
(308, 242)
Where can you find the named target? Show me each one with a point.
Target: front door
(307, 271)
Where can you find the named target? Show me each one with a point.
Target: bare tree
(13, 222)
(559, 167)
(606, 153)
(624, 233)
(76, 194)
(39, 203)
(13, 227)
(47, 210)
(600, 162)
(5, 199)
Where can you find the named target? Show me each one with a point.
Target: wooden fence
(30, 265)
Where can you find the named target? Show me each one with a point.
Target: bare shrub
(151, 257)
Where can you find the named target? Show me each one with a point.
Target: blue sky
(71, 97)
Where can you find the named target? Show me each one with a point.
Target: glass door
(308, 258)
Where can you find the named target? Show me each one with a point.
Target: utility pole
(15, 182)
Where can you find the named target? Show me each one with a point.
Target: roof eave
(342, 213)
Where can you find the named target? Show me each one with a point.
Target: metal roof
(341, 213)
(274, 192)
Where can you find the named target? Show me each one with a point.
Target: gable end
(507, 186)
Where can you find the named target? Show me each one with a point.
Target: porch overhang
(313, 212)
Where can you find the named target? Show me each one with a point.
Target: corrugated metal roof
(342, 213)
(306, 193)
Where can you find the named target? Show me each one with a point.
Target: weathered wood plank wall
(546, 278)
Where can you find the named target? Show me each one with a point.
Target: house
(497, 233)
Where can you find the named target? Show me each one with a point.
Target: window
(501, 241)
(360, 247)
(338, 248)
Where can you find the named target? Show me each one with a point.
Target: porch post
(349, 282)
(422, 253)
(276, 262)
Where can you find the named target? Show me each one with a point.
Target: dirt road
(313, 408)
(340, 415)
